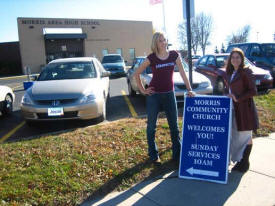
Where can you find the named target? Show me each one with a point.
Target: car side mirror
(125, 61)
(105, 74)
(33, 77)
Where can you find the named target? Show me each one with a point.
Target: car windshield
(221, 61)
(68, 70)
(196, 57)
(112, 59)
(248, 63)
(269, 49)
(185, 67)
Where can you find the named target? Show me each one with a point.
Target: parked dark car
(195, 58)
(261, 54)
(115, 64)
(213, 66)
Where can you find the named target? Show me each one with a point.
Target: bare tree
(240, 36)
(182, 36)
(201, 28)
(204, 24)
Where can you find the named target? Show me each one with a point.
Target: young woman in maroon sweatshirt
(160, 93)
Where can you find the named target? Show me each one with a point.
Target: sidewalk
(254, 188)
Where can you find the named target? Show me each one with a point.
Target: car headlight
(88, 98)
(267, 76)
(204, 84)
(26, 99)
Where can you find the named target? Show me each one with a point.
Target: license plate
(57, 111)
(258, 82)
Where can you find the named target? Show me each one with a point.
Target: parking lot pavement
(13, 127)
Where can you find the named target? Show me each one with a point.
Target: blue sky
(228, 16)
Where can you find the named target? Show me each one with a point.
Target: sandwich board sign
(206, 138)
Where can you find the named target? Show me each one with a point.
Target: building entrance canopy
(64, 33)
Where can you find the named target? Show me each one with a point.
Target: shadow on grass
(118, 180)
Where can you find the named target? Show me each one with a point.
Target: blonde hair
(154, 46)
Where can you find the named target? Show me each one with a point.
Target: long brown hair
(229, 66)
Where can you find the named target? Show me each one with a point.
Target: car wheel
(219, 87)
(103, 115)
(108, 97)
(131, 91)
(8, 105)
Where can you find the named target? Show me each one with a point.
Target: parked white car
(201, 84)
(7, 98)
(70, 88)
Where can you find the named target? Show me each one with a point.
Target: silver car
(71, 88)
(201, 84)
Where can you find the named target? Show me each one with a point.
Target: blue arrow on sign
(193, 171)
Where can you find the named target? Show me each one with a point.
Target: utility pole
(189, 54)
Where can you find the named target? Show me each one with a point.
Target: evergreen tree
(216, 50)
(222, 49)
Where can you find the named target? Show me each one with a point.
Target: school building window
(132, 53)
(104, 52)
(119, 51)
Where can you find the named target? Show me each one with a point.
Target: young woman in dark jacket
(241, 88)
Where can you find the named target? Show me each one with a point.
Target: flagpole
(163, 12)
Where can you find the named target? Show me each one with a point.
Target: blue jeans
(155, 103)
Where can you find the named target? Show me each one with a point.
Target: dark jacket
(244, 88)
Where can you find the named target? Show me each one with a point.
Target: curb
(13, 77)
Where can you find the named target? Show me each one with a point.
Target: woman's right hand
(232, 96)
(191, 93)
(149, 91)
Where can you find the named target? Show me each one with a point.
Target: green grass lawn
(266, 111)
(66, 168)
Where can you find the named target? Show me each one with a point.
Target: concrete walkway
(254, 188)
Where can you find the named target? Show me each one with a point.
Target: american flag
(153, 2)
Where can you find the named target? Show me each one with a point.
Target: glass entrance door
(63, 48)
